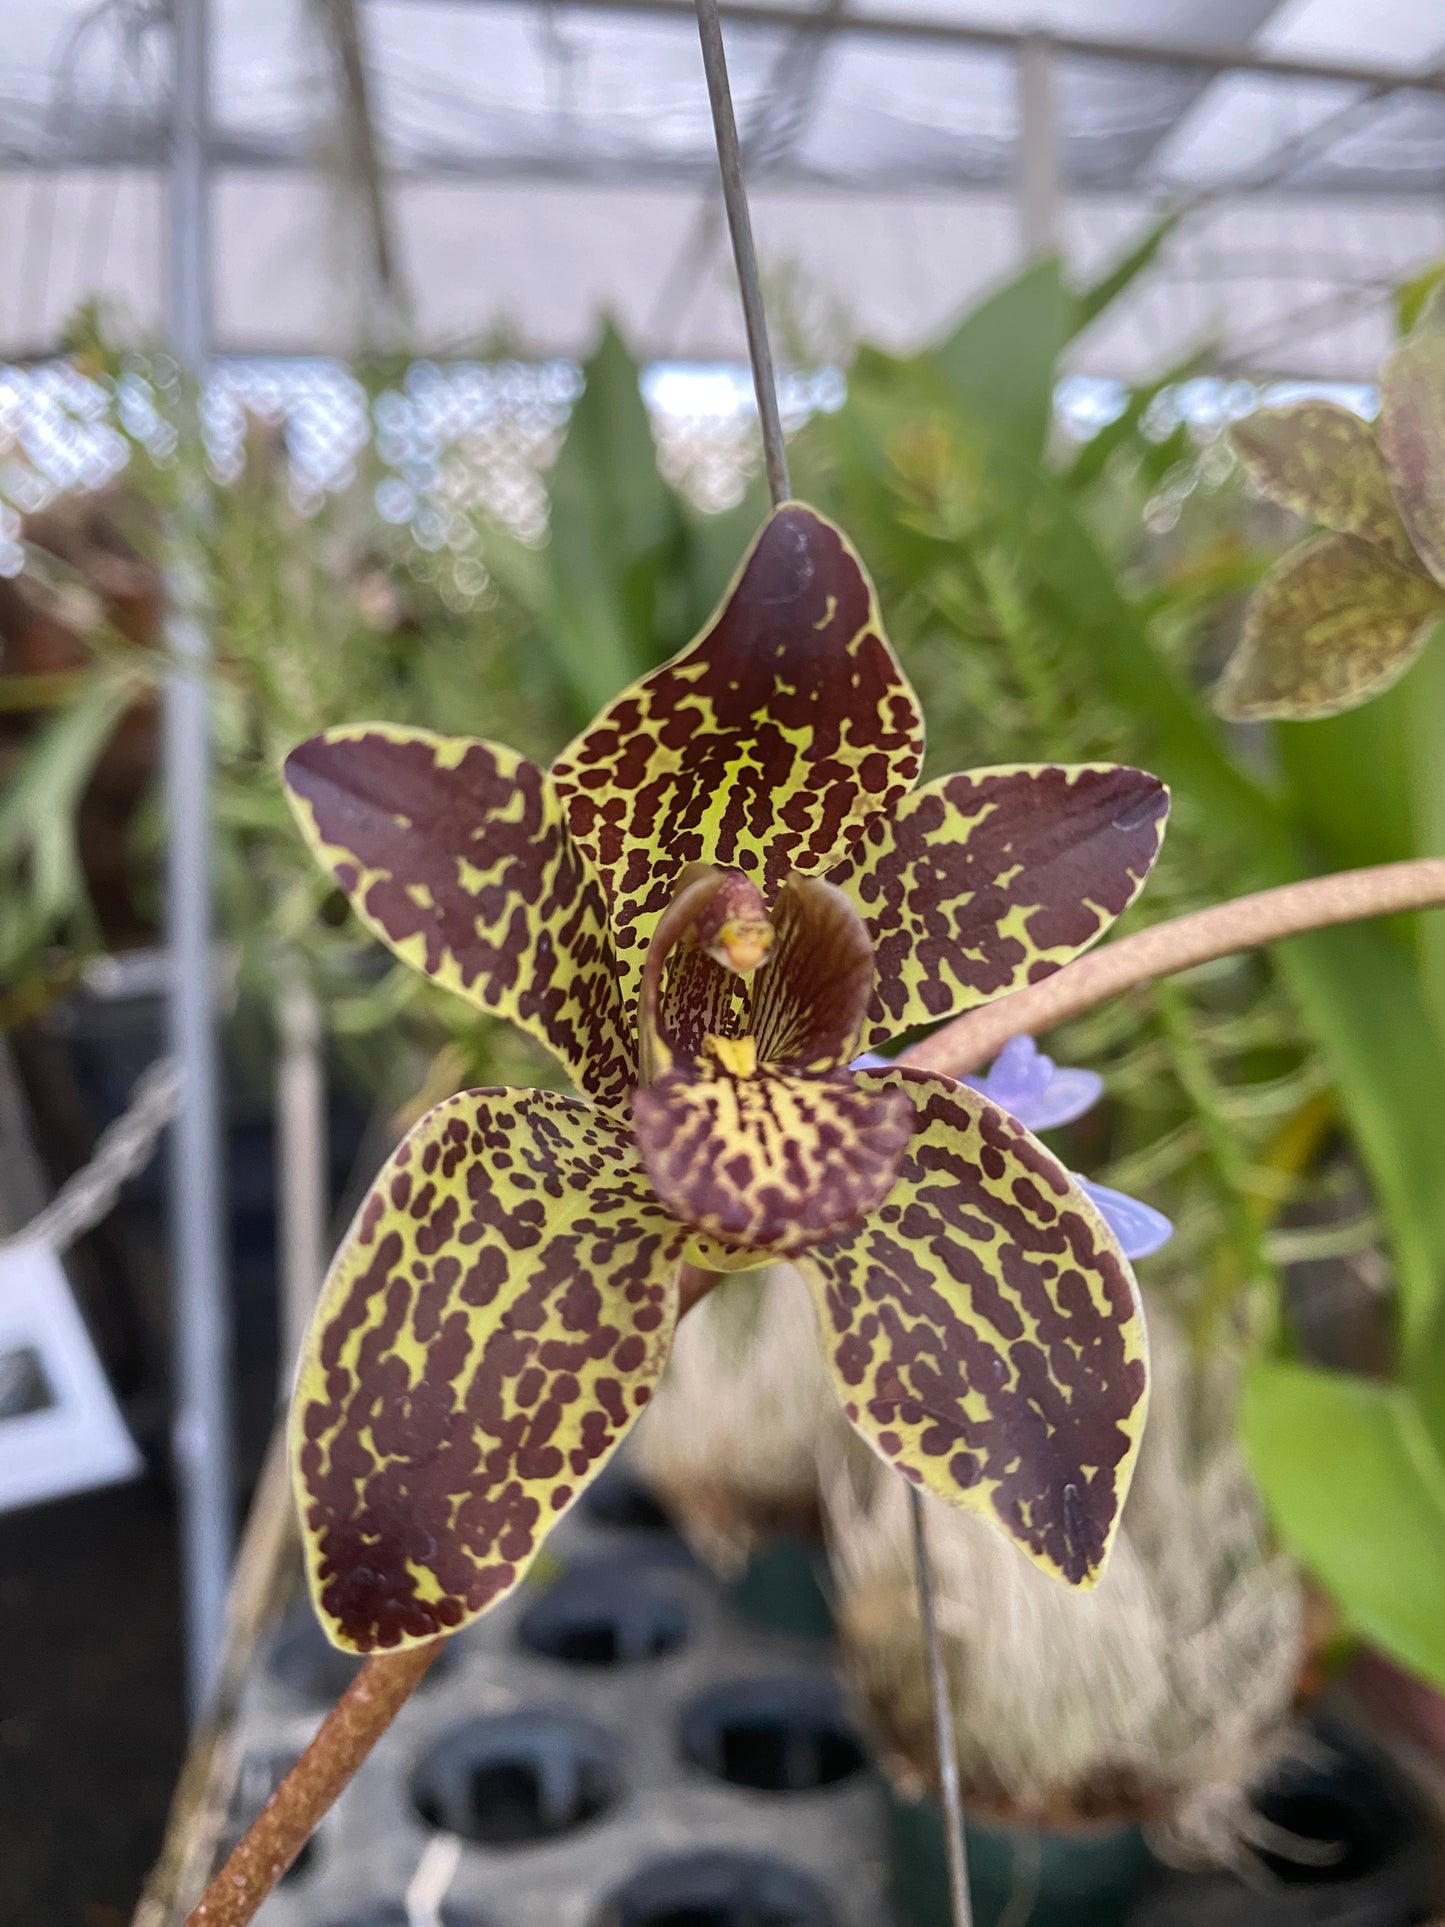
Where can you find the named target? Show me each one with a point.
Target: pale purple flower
(1139, 1228)
(1032, 1088)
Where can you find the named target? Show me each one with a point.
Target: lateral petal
(490, 1330)
(985, 1334)
(982, 882)
(762, 747)
(457, 855)
(772, 1162)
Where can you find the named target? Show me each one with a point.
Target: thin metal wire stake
(735, 199)
(950, 1798)
(740, 225)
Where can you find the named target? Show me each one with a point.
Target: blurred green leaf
(1357, 1489)
(614, 523)
(1360, 991)
(1125, 430)
(1368, 787)
(998, 365)
(42, 882)
(1422, 703)
(1357, 986)
(1091, 302)
(1411, 295)
(1348, 780)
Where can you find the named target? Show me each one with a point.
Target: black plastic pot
(782, 1587)
(1083, 1878)
(516, 1779)
(786, 1735)
(599, 1616)
(393, 1913)
(718, 1890)
(1379, 1874)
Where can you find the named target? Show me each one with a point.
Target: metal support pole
(300, 1167)
(202, 1428)
(1037, 170)
(735, 199)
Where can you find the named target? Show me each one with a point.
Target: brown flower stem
(197, 1819)
(377, 1694)
(289, 1818)
(1167, 948)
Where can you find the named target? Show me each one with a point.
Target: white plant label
(60, 1428)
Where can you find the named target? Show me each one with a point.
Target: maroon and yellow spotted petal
(763, 747)
(981, 883)
(457, 855)
(492, 1327)
(985, 1333)
(770, 1162)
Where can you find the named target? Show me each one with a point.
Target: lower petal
(771, 1162)
(490, 1331)
(985, 1334)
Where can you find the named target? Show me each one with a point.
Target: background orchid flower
(720, 892)
(1042, 1095)
(1343, 615)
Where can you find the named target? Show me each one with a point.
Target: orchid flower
(1042, 1095)
(1341, 616)
(719, 894)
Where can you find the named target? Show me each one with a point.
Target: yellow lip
(737, 1055)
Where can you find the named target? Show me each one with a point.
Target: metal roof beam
(933, 32)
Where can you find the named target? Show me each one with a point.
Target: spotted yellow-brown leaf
(984, 1331)
(980, 883)
(490, 1331)
(1412, 432)
(457, 854)
(762, 747)
(772, 1161)
(1332, 624)
(1323, 461)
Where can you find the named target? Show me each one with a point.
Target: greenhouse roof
(461, 174)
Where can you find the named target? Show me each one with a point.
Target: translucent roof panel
(544, 163)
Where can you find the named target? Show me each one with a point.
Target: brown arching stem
(377, 1694)
(1163, 950)
(348, 1733)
